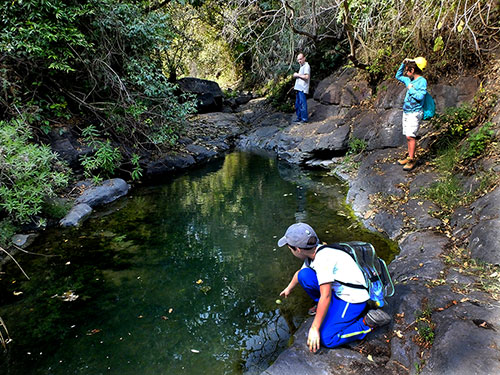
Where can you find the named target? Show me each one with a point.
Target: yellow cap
(420, 61)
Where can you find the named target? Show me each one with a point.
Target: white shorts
(411, 123)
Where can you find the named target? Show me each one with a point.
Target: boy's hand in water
(285, 293)
(313, 339)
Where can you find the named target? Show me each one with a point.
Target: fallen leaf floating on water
(200, 281)
(170, 310)
(164, 317)
(195, 351)
(18, 293)
(278, 302)
(93, 332)
(68, 296)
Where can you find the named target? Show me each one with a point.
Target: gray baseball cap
(297, 235)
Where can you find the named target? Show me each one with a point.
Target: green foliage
(105, 158)
(425, 327)
(278, 92)
(28, 172)
(43, 31)
(7, 230)
(102, 58)
(447, 192)
(356, 146)
(457, 121)
(136, 173)
(476, 142)
(378, 64)
(55, 208)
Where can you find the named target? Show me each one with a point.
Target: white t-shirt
(301, 84)
(331, 265)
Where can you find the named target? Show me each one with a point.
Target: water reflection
(181, 279)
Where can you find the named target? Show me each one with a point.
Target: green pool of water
(178, 278)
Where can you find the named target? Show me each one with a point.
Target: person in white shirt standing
(341, 313)
(302, 79)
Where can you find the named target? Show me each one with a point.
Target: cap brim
(282, 241)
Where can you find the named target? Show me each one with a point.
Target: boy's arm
(293, 283)
(314, 337)
(400, 75)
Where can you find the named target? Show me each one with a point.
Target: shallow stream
(177, 278)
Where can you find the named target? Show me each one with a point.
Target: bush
(476, 143)
(28, 172)
(446, 192)
(278, 93)
(457, 121)
(356, 146)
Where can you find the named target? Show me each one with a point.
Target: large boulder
(107, 192)
(342, 89)
(208, 93)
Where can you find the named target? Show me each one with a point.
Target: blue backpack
(377, 277)
(429, 107)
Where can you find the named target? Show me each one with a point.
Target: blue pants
(343, 322)
(301, 106)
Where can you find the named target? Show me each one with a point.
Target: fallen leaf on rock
(399, 334)
(370, 358)
(369, 214)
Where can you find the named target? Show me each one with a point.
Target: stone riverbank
(445, 314)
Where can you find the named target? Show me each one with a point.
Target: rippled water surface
(178, 278)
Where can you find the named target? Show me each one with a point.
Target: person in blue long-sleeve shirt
(410, 73)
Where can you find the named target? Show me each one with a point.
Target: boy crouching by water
(410, 73)
(340, 313)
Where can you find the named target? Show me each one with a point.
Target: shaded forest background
(107, 70)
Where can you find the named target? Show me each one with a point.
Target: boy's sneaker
(404, 161)
(312, 310)
(410, 165)
(376, 318)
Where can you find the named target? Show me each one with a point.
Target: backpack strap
(336, 246)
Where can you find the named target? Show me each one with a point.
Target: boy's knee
(306, 276)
